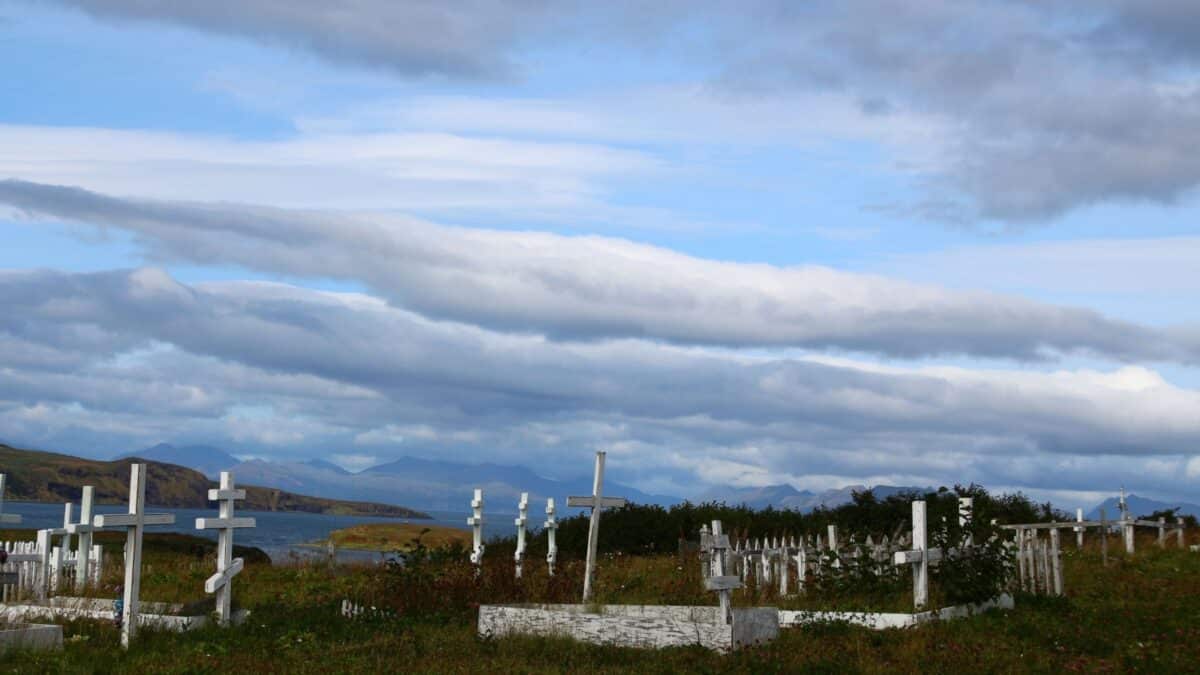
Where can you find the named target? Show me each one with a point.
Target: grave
(30, 636)
(721, 628)
(228, 567)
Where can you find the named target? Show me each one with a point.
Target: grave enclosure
(35, 573)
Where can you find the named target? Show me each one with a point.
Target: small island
(395, 537)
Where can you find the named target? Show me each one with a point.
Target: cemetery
(730, 582)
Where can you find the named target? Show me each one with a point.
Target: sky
(731, 244)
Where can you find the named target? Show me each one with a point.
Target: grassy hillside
(397, 536)
(49, 477)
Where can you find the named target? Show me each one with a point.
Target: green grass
(1140, 614)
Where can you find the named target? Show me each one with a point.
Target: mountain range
(1140, 506)
(784, 496)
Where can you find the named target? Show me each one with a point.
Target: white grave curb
(882, 620)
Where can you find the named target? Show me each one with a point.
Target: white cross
(717, 544)
(596, 502)
(6, 518)
(134, 522)
(521, 522)
(919, 557)
(228, 567)
(551, 530)
(83, 530)
(476, 523)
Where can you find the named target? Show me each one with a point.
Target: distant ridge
(784, 496)
(206, 459)
(1140, 506)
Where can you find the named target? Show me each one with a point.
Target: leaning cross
(717, 544)
(83, 530)
(551, 530)
(476, 523)
(596, 502)
(133, 522)
(522, 523)
(228, 567)
(6, 518)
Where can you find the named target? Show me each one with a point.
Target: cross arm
(913, 557)
(221, 578)
(129, 519)
(725, 583)
(80, 528)
(217, 495)
(223, 523)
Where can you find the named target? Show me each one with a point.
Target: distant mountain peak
(206, 459)
(322, 464)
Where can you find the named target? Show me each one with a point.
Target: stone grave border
(30, 636)
(884, 620)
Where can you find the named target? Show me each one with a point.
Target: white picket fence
(40, 574)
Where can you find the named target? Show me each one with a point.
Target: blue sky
(961, 249)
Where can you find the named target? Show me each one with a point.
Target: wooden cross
(6, 518)
(476, 523)
(83, 532)
(551, 530)
(521, 522)
(133, 522)
(596, 502)
(717, 545)
(919, 557)
(228, 567)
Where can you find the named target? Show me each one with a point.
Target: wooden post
(521, 523)
(228, 567)
(721, 582)
(1056, 563)
(921, 568)
(1162, 532)
(1179, 531)
(1127, 529)
(83, 533)
(966, 514)
(1079, 529)
(596, 502)
(476, 524)
(1103, 538)
(551, 526)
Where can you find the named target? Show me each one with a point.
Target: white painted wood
(921, 567)
(6, 518)
(551, 526)
(83, 534)
(1056, 563)
(724, 584)
(885, 620)
(597, 502)
(476, 524)
(1179, 532)
(522, 523)
(1079, 529)
(966, 515)
(225, 523)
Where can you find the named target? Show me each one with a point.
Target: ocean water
(282, 535)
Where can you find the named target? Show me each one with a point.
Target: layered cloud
(1047, 107)
(584, 288)
(269, 365)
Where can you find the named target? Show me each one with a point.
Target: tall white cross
(522, 523)
(134, 523)
(476, 523)
(83, 531)
(6, 518)
(919, 557)
(228, 567)
(551, 530)
(596, 502)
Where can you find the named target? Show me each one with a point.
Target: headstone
(551, 526)
(133, 523)
(476, 523)
(83, 534)
(225, 523)
(596, 502)
(6, 518)
(522, 523)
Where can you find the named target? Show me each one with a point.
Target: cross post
(228, 567)
(476, 523)
(521, 522)
(920, 556)
(718, 545)
(596, 502)
(134, 524)
(83, 532)
(6, 518)
(551, 530)
(966, 514)
(1079, 529)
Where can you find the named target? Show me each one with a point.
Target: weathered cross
(476, 523)
(133, 522)
(83, 531)
(920, 556)
(717, 544)
(6, 518)
(596, 502)
(551, 530)
(228, 567)
(522, 523)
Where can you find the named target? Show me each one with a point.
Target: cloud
(587, 288)
(1046, 107)
(261, 364)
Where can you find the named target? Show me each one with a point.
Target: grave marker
(723, 584)
(134, 522)
(521, 523)
(596, 502)
(476, 523)
(83, 533)
(551, 530)
(228, 567)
